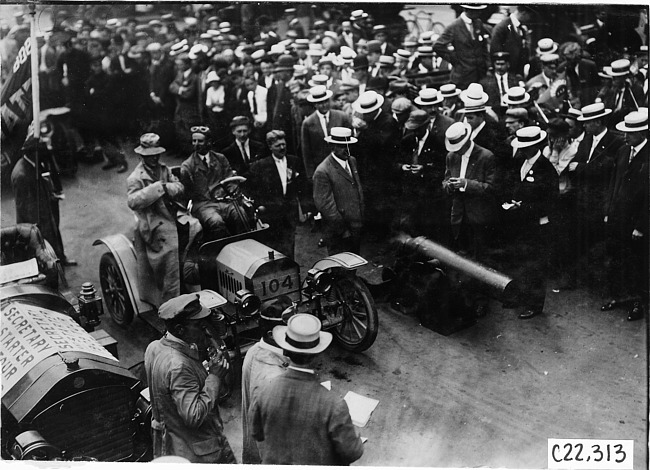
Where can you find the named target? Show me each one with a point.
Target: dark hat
(285, 63)
(360, 62)
(501, 55)
(558, 126)
(373, 46)
(379, 84)
(185, 307)
(398, 86)
(417, 119)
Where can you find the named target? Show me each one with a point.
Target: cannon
(434, 283)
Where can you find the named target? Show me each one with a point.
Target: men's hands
(218, 365)
(457, 183)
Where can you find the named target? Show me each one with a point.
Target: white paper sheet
(21, 270)
(360, 408)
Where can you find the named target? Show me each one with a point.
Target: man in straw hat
(626, 214)
(152, 194)
(623, 95)
(530, 201)
(317, 126)
(338, 194)
(184, 392)
(464, 44)
(590, 172)
(297, 419)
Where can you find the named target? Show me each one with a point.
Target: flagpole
(36, 105)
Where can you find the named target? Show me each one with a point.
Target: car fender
(124, 252)
(345, 260)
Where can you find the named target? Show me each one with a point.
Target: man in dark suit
(627, 220)
(161, 75)
(533, 192)
(317, 126)
(243, 151)
(510, 36)
(623, 95)
(297, 421)
(338, 194)
(590, 172)
(497, 84)
(277, 182)
(278, 99)
(581, 73)
(464, 44)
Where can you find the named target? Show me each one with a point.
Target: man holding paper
(299, 420)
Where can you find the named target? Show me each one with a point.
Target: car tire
(360, 325)
(114, 291)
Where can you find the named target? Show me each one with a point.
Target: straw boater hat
(528, 136)
(428, 97)
(449, 90)
(302, 335)
(636, 121)
(300, 71)
(474, 98)
(546, 46)
(149, 145)
(516, 95)
(318, 94)
(618, 68)
(425, 51)
(197, 50)
(594, 111)
(457, 135)
(386, 61)
(402, 54)
(370, 101)
(318, 79)
(341, 136)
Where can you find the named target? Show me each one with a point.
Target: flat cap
(185, 307)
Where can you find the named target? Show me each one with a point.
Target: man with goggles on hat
(201, 175)
(184, 382)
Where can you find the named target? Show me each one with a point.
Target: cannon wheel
(360, 323)
(114, 291)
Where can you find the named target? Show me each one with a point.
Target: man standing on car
(184, 392)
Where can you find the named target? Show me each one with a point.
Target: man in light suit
(317, 126)
(277, 182)
(464, 44)
(338, 194)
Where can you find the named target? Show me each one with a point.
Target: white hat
(196, 50)
(546, 46)
(340, 135)
(402, 54)
(618, 68)
(318, 94)
(457, 135)
(302, 335)
(212, 77)
(449, 90)
(474, 7)
(634, 122)
(368, 102)
(528, 136)
(474, 97)
(318, 79)
(594, 111)
(428, 97)
(516, 95)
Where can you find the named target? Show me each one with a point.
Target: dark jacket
(236, 158)
(538, 191)
(314, 148)
(200, 181)
(506, 38)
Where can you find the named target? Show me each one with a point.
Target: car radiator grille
(94, 423)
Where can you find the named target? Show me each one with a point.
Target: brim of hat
(203, 313)
(554, 49)
(623, 128)
(357, 107)
(597, 116)
(283, 69)
(484, 98)
(279, 335)
(610, 73)
(147, 151)
(411, 127)
(351, 140)
(518, 145)
(419, 101)
(451, 95)
(455, 147)
(328, 95)
(525, 100)
(472, 109)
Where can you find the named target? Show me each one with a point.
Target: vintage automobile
(238, 274)
(65, 395)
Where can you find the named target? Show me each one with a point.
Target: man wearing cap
(278, 100)
(590, 172)
(278, 183)
(264, 361)
(380, 33)
(528, 216)
(184, 393)
(464, 44)
(623, 95)
(511, 36)
(185, 88)
(152, 194)
(401, 109)
(626, 213)
(297, 419)
(360, 65)
(548, 76)
(497, 84)
(338, 194)
(350, 89)
(374, 52)
(317, 126)
(161, 76)
(515, 119)
(244, 150)
(201, 175)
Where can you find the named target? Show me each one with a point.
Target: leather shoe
(611, 305)
(636, 312)
(109, 166)
(481, 311)
(123, 167)
(69, 262)
(530, 313)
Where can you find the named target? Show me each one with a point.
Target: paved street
(490, 395)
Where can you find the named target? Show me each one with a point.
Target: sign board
(29, 334)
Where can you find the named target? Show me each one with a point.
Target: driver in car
(201, 175)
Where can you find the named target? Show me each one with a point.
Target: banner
(16, 108)
(29, 334)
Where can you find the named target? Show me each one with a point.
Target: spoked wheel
(114, 291)
(360, 323)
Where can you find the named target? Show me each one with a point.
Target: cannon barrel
(502, 286)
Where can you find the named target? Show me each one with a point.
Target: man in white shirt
(257, 104)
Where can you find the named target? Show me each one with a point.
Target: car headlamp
(319, 281)
(247, 302)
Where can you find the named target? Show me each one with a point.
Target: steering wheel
(236, 180)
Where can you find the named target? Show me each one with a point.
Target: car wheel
(114, 291)
(358, 330)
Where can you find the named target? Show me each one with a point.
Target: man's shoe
(69, 262)
(481, 311)
(123, 167)
(636, 312)
(530, 313)
(611, 305)
(109, 166)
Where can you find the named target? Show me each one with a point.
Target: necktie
(501, 86)
(347, 168)
(416, 152)
(619, 100)
(593, 147)
(631, 155)
(254, 104)
(244, 154)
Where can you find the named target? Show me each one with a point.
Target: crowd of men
(531, 157)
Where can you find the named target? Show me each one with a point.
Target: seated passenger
(152, 194)
(201, 175)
